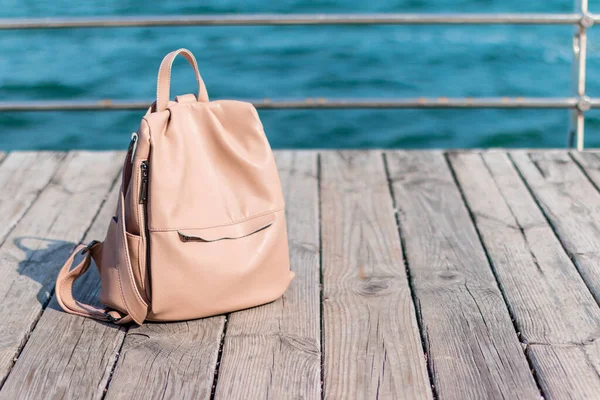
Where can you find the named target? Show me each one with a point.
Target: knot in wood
(373, 286)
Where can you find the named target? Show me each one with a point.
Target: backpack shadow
(41, 263)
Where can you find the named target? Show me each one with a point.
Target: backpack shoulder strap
(136, 306)
(67, 277)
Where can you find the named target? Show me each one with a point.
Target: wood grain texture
(571, 203)
(38, 246)
(570, 371)
(372, 346)
(553, 309)
(22, 176)
(472, 345)
(168, 361)
(68, 356)
(274, 351)
(371, 340)
(589, 161)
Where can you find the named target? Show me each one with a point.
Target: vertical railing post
(577, 120)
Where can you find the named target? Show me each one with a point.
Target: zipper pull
(144, 185)
(133, 145)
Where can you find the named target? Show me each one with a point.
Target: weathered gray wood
(68, 356)
(22, 176)
(571, 203)
(569, 371)
(554, 311)
(368, 318)
(371, 342)
(170, 361)
(472, 345)
(274, 351)
(590, 162)
(36, 249)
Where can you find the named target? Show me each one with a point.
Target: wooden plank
(36, 249)
(274, 351)
(572, 205)
(22, 176)
(569, 370)
(554, 311)
(589, 161)
(170, 360)
(471, 342)
(69, 356)
(371, 342)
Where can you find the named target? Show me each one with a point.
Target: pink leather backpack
(199, 228)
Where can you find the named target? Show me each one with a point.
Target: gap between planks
(320, 222)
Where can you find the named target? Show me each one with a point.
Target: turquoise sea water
(298, 62)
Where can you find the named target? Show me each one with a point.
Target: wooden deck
(419, 275)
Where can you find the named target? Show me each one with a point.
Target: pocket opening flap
(233, 231)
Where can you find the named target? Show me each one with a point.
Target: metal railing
(578, 103)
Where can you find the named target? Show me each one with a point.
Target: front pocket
(232, 231)
(201, 272)
(137, 256)
(110, 293)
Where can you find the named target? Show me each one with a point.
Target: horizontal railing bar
(594, 103)
(318, 103)
(292, 19)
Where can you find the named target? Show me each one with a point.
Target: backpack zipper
(144, 202)
(144, 185)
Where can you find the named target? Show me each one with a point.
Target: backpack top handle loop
(163, 86)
